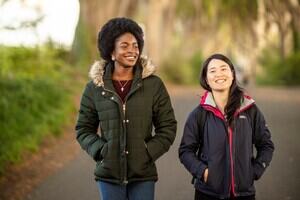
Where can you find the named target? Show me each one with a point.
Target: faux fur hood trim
(97, 70)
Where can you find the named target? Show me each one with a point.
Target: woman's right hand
(205, 175)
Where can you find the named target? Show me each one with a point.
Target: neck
(122, 73)
(221, 99)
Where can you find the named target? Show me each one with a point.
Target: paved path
(281, 181)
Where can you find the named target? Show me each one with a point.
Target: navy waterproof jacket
(227, 152)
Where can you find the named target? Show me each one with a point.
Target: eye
(225, 69)
(123, 45)
(135, 46)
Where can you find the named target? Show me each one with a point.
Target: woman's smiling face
(219, 75)
(126, 50)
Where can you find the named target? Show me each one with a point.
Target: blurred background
(47, 47)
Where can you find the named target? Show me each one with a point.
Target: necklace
(123, 85)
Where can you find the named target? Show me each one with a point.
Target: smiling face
(126, 51)
(219, 75)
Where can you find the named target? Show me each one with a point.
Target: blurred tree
(294, 10)
(159, 27)
(286, 16)
(228, 26)
(233, 27)
(18, 23)
(276, 12)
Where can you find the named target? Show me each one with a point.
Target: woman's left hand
(205, 175)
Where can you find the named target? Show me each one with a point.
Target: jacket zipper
(230, 138)
(125, 181)
(124, 127)
(125, 152)
(232, 184)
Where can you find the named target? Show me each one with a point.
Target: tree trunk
(294, 10)
(158, 27)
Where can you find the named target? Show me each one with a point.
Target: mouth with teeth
(131, 58)
(219, 81)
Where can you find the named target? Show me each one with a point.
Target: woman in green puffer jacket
(118, 110)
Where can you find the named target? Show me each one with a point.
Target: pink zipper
(231, 161)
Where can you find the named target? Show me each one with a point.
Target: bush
(278, 71)
(35, 98)
(179, 70)
(30, 109)
(291, 70)
(31, 62)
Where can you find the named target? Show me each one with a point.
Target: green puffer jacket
(124, 147)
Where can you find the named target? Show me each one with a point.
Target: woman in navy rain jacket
(219, 136)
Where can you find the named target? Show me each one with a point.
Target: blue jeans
(143, 190)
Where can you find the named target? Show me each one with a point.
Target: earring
(113, 58)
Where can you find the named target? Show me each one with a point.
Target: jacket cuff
(258, 170)
(200, 170)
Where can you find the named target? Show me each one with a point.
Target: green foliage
(35, 98)
(29, 110)
(235, 14)
(180, 70)
(278, 71)
(31, 62)
(186, 8)
(242, 9)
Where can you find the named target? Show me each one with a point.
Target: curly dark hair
(112, 30)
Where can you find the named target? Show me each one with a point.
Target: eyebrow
(221, 66)
(128, 43)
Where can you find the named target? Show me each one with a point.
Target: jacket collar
(98, 72)
(208, 102)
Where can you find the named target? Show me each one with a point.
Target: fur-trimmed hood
(97, 70)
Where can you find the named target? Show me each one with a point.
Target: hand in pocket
(205, 175)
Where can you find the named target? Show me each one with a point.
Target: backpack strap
(201, 118)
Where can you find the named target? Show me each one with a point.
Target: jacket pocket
(104, 151)
(147, 152)
(204, 159)
(108, 166)
(103, 125)
(244, 175)
(215, 178)
(140, 163)
(258, 170)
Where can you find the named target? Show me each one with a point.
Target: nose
(219, 73)
(133, 49)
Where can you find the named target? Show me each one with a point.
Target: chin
(129, 64)
(220, 89)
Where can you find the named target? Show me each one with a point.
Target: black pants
(201, 196)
